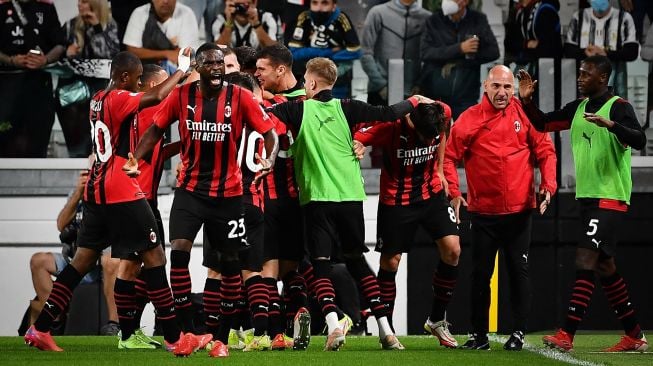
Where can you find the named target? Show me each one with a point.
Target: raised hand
(131, 166)
(526, 86)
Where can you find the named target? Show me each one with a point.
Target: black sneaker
(515, 342)
(476, 341)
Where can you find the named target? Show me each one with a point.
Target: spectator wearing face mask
(605, 31)
(326, 31)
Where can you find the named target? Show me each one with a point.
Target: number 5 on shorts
(593, 227)
(237, 228)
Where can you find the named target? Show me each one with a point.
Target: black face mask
(320, 17)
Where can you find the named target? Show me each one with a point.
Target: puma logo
(263, 307)
(191, 108)
(216, 317)
(327, 120)
(327, 298)
(596, 242)
(589, 138)
(405, 138)
(50, 306)
(376, 299)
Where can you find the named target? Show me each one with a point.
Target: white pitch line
(548, 353)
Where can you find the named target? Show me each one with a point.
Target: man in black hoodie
(456, 41)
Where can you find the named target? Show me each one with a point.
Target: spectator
(639, 9)
(92, 34)
(157, 31)
(533, 32)
(606, 31)
(392, 31)
(44, 265)
(121, 10)
(456, 41)
(647, 55)
(242, 24)
(326, 31)
(206, 10)
(30, 38)
(435, 5)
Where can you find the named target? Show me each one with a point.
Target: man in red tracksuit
(500, 147)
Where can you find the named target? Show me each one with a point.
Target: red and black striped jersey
(281, 182)
(210, 131)
(410, 166)
(252, 143)
(151, 165)
(111, 116)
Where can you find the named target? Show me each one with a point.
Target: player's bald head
(500, 72)
(124, 62)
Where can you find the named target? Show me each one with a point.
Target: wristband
(229, 23)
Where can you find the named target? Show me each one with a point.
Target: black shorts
(396, 225)
(599, 227)
(334, 227)
(115, 253)
(251, 257)
(129, 227)
(283, 230)
(223, 220)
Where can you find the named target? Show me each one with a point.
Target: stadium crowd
(270, 143)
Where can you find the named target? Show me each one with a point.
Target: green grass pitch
(420, 350)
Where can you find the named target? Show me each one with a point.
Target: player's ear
(124, 77)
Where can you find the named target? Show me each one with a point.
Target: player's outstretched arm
(145, 145)
(158, 93)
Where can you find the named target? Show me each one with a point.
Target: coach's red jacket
(500, 149)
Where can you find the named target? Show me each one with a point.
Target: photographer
(242, 24)
(44, 265)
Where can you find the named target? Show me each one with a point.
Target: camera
(241, 8)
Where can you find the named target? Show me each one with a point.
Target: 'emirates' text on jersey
(210, 131)
(111, 117)
(409, 172)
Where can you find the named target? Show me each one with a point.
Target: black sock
(62, 292)
(159, 293)
(229, 292)
(259, 303)
(388, 288)
(275, 318)
(580, 300)
(617, 294)
(125, 297)
(444, 282)
(141, 298)
(212, 305)
(180, 283)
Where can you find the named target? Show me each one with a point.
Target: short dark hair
(246, 56)
(602, 63)
(208, 46)
(277, 53)
(149, 70)
(124, 61)
(429, 119)
(242, 79)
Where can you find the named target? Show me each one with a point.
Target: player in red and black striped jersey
(284, 241)
(210, 193)
(114, 206)
(413, 193)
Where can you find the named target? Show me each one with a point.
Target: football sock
(368, 285)
(259, 303)
(230, 293)
(388, 286)
(615, 289)
(324, 291)
(580, 300)
(181, 288)
(125, 297)
(276, 321)
(384, 327)
(331, 319)
(444, 281)
(295, 295)
(159, 293)
(307, 271)
(212, 305)
(62, 292)
(141, 298)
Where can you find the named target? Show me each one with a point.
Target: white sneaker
(441, 331)
(390, 342)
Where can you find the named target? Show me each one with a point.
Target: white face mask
(449, 7)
